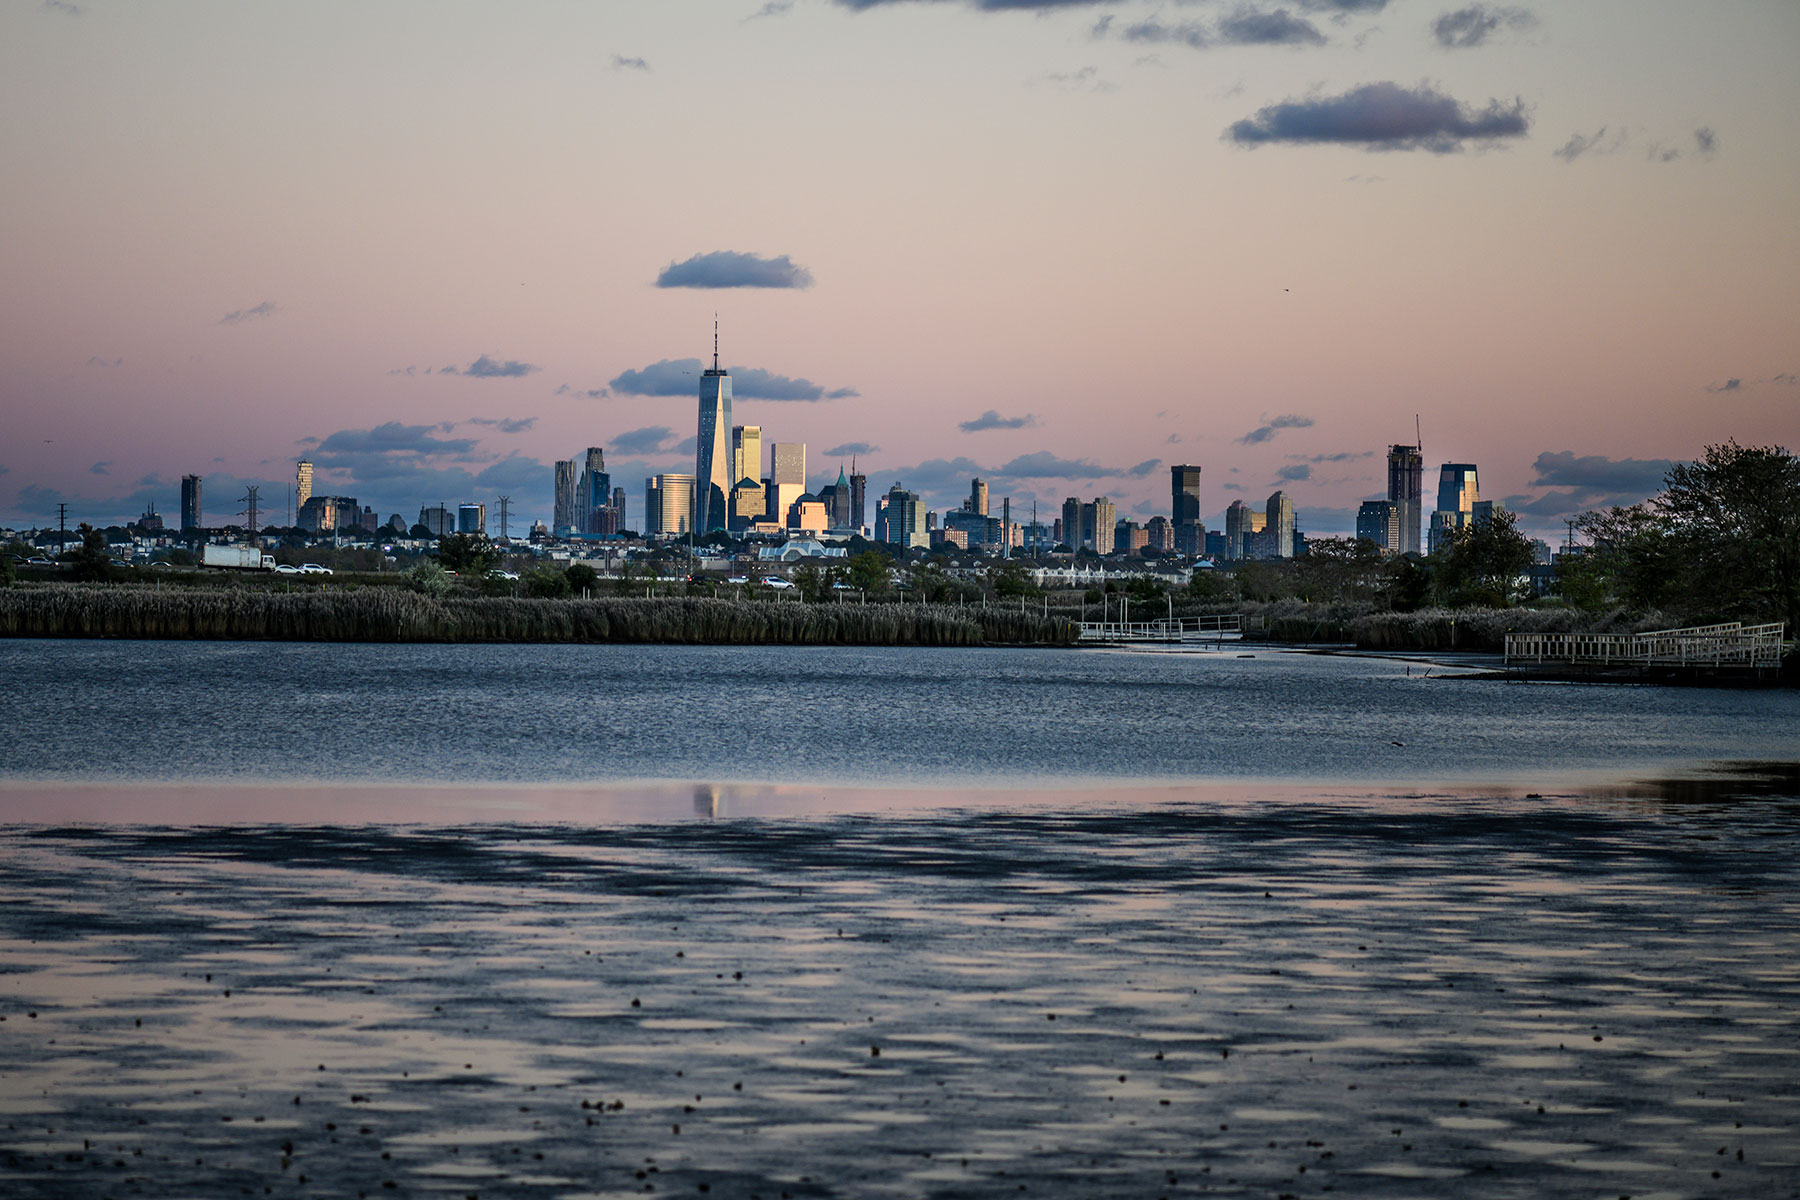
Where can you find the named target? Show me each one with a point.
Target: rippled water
(207, 710)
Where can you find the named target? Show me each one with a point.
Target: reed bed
(391, 615)
(1485, 628)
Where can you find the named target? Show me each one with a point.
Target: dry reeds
(392, 615)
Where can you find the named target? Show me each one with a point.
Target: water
(568, 922)
(187, 711)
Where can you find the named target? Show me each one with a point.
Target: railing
(1178, 629)
(1730, 645)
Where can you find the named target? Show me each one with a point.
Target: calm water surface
(189, 711)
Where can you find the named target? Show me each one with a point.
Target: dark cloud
(1706, 146)
(1293, 473)
(64, 7)
(622, 62)
(729, 269)
(486, 368)
(100, 468)
(97, 361)
(1044, 465)
(651, 439)
(266, 308)
(993, 420)
(1249, 27)
(394, 438)
(1325, 522)
(1266, 430)
(1597, 473)
(1382, 116)
(680, 377)
(1730, 385)
(1192, 34)
(1144, 468)
(505, 424)
(1786, 379)
(1340, 456)
(1474, 25)
(1084, 79)
(1706, 142)
(774, 8)
(936, 480)
(4, 469)
(1595, 144)
(851, 448)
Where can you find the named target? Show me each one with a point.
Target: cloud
(1042, 464)
(1192, 34)
(4, 469)
(1597, 473)
(1293, 473)
(1706, 142)
(97, 361)
(1340, 456)
(621, 62)
(1249, 27)
(1730, 385)
(393, 438)
(1084, 79)
(774, 8)
(100, 468)
(993, 420)
(1706, 146)
(680, 377)
(486, 368)
(1473, 26)
(1382, 116)
(1595, 144)
(63, 7)
(851, 448)
(649, 440)
(266, 308)
(504, 424)
(1266, 430)
(1144, 468)
(1786, 379)
(729, 269)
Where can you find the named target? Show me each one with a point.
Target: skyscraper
(190, 503)
(1406, 474)
(746, 453)
(906, 526)
(1240, 523)
(1458, 494)
(562, 521)
(595, 491)
(669, 504)
(1071, 523)
(302, 483)
(840, 500)
(787, 477)
(1378, 521)
(1184, 501)
(1280, 522)
(978, 496)
(713, 465)
(1104, 524)
(859, 486)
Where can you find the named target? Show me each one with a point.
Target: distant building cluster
(1394, 525)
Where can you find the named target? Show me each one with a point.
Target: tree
(1735, 517)
(90, 561)
(467, 553)
(869, 571)
(429, 579)
(1482, 563)
(548, 583)
(811, 582)
(1009, 578)
(582, 578)
(7, 570)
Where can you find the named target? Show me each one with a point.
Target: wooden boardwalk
(1732, 646)
(1165, 630)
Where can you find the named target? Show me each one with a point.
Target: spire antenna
(1418, 437)
(715, 341)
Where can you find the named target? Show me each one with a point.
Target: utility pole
(504, 501)
(62, 529)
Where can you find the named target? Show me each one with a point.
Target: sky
(435, 246)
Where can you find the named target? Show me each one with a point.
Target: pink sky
(1044, 215)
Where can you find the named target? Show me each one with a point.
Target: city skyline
(1108, 240)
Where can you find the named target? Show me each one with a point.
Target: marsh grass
(395, 615)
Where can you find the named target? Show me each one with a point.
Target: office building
(1378, 521)
(303, 471)
(1458, 493)
(1184, 503)
(713, 461)
(859, 485)
(978, 497)
(190, 503)
(840, 501)
(1406, 474)
(746, 453)
(1159, 534)
(595, 491)
(749, 504)
(471, 518)
(1099, 519)
(906, 524)
(1279, 521)
(1071, 534)
(1239, 524)
(563, 513)
(787, 478)
(327, 514)
(437, 520)
(669, 505)
(1129, 537)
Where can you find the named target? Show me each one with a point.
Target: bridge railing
(1177, 629)
(1732, 644)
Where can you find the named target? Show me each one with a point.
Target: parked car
(286, 569)
(499, 574)
(314, 569)
(738, 579)
(777, 582)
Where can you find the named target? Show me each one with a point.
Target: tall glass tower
(1406, 471)
(712, 473)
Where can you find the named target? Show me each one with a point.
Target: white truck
(241, 558)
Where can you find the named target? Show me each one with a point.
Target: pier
(1167, 630)
(1728, 649)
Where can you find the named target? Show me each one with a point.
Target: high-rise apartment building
(669, 504)
(859, 485)
(787, 477)
(1159, 534)
(906, 524)
(1101, 526)
(190, 503)
(563, 519)
(1238, 526)
(713, 465)
(978, 496)
(1071, 523)
(1406, 476)
(1279, 521)
(746, 453)
(302, 483)
(1378, 521)
(618, 503)
(595, 491)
